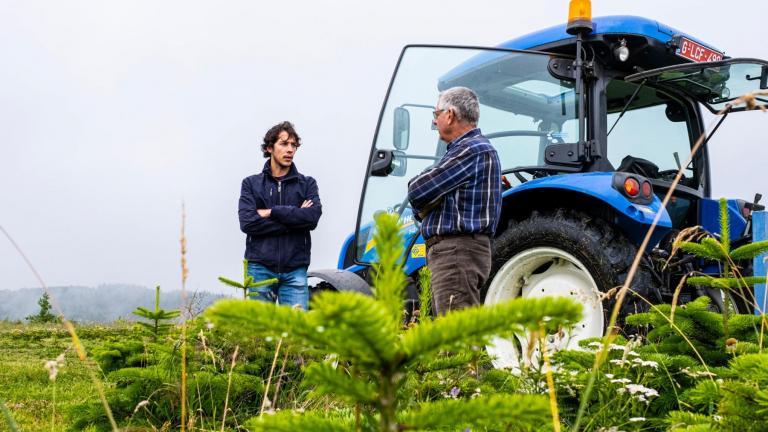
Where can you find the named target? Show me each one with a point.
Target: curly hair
(274, 132)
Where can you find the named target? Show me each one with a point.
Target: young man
(278, 208)
(459, 201)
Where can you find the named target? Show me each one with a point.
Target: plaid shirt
(461, 194)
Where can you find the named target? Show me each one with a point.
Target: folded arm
(304, 217)
(426, 189)
(250, 220)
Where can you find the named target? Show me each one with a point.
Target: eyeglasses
(436, 113)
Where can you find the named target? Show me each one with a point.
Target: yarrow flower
(641, 392)
(640, 362)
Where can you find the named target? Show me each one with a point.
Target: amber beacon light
(579, 16)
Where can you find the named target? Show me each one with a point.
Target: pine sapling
(248, 281)
(373, 354)
(157, 318)
(731, 280)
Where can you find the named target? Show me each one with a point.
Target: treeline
(105, 303)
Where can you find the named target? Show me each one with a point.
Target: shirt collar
(469, 134)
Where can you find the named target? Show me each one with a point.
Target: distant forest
(105, 303)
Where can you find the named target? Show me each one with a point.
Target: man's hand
(265, 213)
(306, 204)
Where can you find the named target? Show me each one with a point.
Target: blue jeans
(290, 289)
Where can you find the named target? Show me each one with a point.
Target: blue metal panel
(636, 217)
(345, 246)
(710, 217)
(759, 233)
(618, 24)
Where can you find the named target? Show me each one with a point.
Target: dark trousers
(460, 266)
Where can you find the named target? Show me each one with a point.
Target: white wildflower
(284, 334)
(609, 375)
(320, 329)
(633, 353)
(573, 373)
(636, 388)
(209, 325)
(621, 381)
(53, 369)
(618, 362)
(640, 362)
(268, 338)
(595, 345)
(636, 419)
(615, 347)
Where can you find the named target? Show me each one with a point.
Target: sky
(113, 113)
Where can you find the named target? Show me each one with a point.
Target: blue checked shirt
(464, 188)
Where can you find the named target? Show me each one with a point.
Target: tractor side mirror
(402, 128)
(389, 162)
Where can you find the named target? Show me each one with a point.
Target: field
(36, 402)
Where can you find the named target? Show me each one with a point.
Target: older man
(459, 201)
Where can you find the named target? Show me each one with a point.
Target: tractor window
(523, 108)
(654, 128)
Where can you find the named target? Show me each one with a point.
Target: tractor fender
(342, 280)
(591, 193)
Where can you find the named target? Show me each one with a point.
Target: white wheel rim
(527, 275)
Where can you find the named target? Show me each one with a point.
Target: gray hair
(462, 101)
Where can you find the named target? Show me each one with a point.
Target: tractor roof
(651, 43)
(607, 25)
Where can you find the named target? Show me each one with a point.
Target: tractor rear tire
(563, 253)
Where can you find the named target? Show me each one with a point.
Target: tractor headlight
(621, 52)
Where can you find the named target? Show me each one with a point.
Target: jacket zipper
(280, 238)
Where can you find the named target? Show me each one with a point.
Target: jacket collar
(292, 171)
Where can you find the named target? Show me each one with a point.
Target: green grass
(24, 382)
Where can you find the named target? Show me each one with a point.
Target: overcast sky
(113, 113)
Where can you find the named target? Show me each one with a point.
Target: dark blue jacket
(280, 242)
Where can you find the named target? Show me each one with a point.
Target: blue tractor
(592, 121)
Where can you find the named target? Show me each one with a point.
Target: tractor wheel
(562, 253)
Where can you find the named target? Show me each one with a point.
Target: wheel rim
(539, 272)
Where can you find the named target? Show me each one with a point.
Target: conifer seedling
(372, 353)
(248, 281)
(720, 250)
(157, 318)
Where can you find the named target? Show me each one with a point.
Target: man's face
(283, 150)
(443, 120)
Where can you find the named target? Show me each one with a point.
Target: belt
(438, 238)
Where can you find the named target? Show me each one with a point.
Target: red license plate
(697, 52)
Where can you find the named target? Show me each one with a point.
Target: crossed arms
(279, 219)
